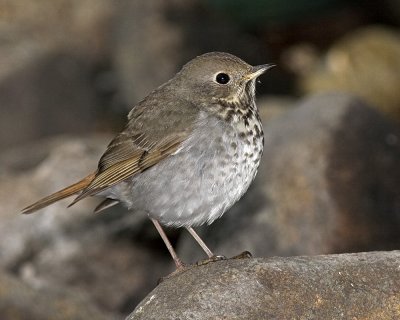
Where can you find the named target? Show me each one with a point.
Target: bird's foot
(182, 267)
(211, 259)
(243, 255)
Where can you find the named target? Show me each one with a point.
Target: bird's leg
(179, 264)
(200, 242)
(211, 256)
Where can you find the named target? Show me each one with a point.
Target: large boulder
(348, 286)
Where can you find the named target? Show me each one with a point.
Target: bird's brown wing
(154, 131)
(125, 157)
(147, 139)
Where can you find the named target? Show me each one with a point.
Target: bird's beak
(258, 71)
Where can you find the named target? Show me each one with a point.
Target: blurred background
(71, 70)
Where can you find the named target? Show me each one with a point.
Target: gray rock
(271, 106)
(365, 62)
(47, 67)
(20, 301)
(36, 87)
(327, 183)
(82, 26)
(56, 164)
(109, 257)
(347, 286)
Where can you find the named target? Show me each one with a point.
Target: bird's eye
(222, 78)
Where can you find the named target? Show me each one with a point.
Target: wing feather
(156, 128)
(137, 162)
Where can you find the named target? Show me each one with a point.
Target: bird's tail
(64, 193)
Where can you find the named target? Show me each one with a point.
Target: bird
(188, 152)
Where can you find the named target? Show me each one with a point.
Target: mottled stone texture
(18, 301)
(347, 286)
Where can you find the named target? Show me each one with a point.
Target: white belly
(203, 179)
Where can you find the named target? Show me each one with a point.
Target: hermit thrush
(189, 151)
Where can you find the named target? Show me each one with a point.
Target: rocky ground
(328, 182)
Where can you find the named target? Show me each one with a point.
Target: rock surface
(327, 183)
(80, 26)
(49, 51)
(348, 286)
(19, 301)
(41, 84)
(365, 62)
(110, 257)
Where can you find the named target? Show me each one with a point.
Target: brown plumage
(59, 195)
(137, 148)
(118, 163)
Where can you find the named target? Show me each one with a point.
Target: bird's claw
(243, 255)
(211, 259)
